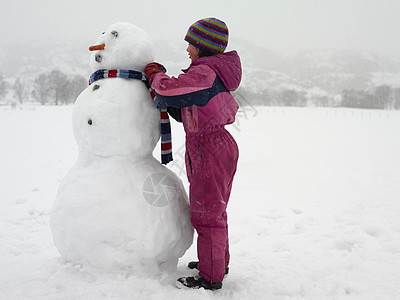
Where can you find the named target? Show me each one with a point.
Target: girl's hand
(152, 69)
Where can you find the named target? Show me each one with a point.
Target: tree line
(58, 88)
(381, 97)
(53, 87)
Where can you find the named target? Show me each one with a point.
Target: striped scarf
(166, 144)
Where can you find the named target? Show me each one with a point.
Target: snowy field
(314, 212)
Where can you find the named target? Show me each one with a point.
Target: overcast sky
(284, 26)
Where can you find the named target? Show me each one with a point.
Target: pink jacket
(202, 96)
(203, 92)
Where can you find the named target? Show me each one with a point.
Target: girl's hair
(203, 53)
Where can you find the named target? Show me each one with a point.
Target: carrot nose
(97, 47)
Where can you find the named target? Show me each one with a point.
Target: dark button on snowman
(118, 207)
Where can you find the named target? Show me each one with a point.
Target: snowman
(118, 207)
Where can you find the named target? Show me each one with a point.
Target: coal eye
(103, 32)
(90, 122)
(114, 33)
(95, 87)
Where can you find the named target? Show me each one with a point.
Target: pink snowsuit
(202, 93)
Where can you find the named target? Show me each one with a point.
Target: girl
(200, 99)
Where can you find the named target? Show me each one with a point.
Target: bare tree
(396, 98)
(76, 85)
(41, 89)
(356, 99)
(3, 86)
(19, 88)
(58, 83)
(382, 97)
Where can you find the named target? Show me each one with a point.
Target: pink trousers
(211, 161)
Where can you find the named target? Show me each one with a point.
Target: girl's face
(193, 52)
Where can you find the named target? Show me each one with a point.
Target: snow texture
(118, 208)
(314, 210)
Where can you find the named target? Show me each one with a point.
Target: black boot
(195, 265)
(197, 282)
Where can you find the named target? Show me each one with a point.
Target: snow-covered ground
(314, 211)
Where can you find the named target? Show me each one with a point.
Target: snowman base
(130, 225)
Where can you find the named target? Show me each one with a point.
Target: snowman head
(122, 46)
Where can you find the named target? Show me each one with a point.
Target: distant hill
(322, 73)
(30, 59)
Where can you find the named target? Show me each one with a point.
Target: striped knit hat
(209, 34)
